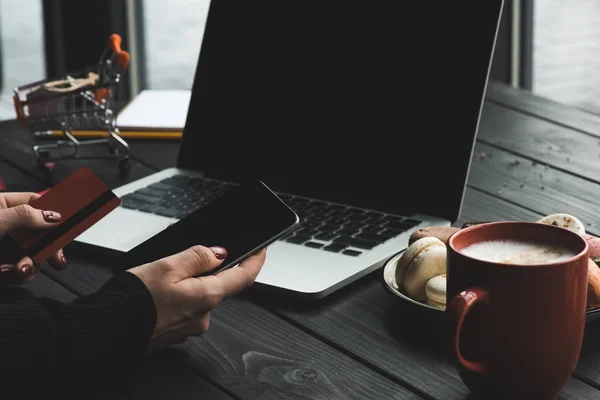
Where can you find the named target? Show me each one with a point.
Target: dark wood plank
(390, 336)
(588, 367)
(393, 337)
(254, 354)
(166, 376)
(576, 389)
(537, 187)
(524, 101)
(544, 142)
(17, 181)
(440, 389)
(16, 149)
(573, 390)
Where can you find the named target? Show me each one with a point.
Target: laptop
(361, 115)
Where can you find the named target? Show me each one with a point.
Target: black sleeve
(94, 339)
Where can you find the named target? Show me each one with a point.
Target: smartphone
(247, 218)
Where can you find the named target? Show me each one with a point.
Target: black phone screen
(242, 220)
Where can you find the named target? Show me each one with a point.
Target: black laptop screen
(371, 103)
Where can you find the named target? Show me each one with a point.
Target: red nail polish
(219, 252)
(51, 216)
(27, 269)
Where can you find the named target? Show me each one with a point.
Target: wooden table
(533, 157)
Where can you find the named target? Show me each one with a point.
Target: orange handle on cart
(121, 56)
(19, 111)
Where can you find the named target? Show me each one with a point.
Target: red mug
(514, 331)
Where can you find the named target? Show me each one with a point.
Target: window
(566, 52)
(22, 58)
(173, 32)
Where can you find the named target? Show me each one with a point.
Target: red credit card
(82, 199)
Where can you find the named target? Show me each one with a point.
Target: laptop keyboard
(176, 196)
(331, 227)
(343, 229)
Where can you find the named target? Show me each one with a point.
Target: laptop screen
(367, 103)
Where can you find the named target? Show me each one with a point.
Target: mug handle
(455, 314)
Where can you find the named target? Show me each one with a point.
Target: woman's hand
(183, 302)
(17, 215)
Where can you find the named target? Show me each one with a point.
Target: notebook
(161, 110)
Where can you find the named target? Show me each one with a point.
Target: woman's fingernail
(51, 216)
(219, 252)
(27, 269)
(63, 260)
(5, 270)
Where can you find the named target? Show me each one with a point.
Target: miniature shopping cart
(84, 100)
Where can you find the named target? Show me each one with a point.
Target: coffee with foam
(517, 252)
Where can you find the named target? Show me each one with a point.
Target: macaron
(593, 244)
(566, 221)
(593, 294)
(435, 289)
(441, 232)
(421, 261)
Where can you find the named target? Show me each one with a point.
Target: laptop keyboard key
(394, 218)
(372, 237)
(377, 221)
(141, 198)
(328, 228)
(161, 186)
(355, 225)
(356, 217)
(151, 192)
(358, 243)
(326, 236)
(403, 226)
(313, 245)
(335, 221)
(149, 208)
(307, 231)
(372, 229)
(317, 217)
(310, 224)
(298, 239)
(352, 253)
(347, 231)
(131, 204)
(390, 233)
(337, 215)
(335, 247)
(171, 213)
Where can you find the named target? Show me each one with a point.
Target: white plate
(389, 279)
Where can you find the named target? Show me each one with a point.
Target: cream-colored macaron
(435, 290)
(566, 221)
(441, 306)
(421, 261)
